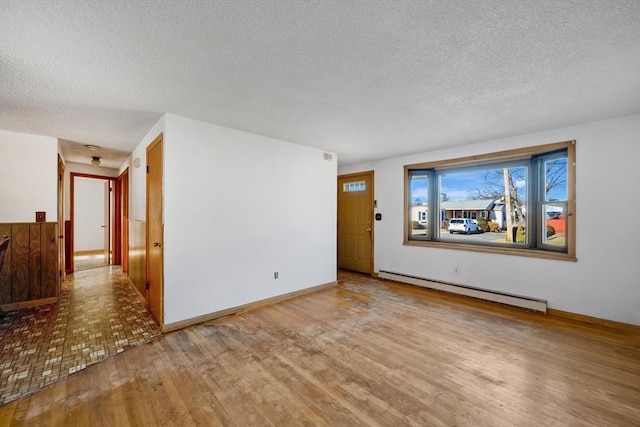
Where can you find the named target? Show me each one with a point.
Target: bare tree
(556, 174)
(503, 184)
(506, 184)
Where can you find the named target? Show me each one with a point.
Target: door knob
(368, 230)
(156, 244)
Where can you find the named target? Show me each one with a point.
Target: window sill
(531, 253)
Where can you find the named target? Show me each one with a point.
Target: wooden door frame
(115, 215)
(123, 181)
(61, 235)
(373, 208)
(116, 232)
(158, 140)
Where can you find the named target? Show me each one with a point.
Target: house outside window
(519, 201)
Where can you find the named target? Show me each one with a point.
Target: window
(518, 202)
(354, 186)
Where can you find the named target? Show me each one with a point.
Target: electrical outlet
(275, 275)
(456, 270)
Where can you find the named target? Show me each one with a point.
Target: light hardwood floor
(367, 352)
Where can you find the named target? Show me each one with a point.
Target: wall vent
(529, 303)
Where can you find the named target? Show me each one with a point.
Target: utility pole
(507, 204)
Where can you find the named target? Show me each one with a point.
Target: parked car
(463, 225)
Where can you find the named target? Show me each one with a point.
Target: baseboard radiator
(528, 303)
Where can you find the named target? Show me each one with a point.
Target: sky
(464, 185)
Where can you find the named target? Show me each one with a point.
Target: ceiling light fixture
(92, 147)
(95, 161)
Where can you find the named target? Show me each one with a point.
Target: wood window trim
(498, 156)
(531, 253)
(514, 154)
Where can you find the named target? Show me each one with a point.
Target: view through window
(515, 199)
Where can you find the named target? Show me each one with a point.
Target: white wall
(28, 171)
(604, 282)
(138, 175)
(239, 207)
(89, 204)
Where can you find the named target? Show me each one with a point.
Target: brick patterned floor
(99, 315)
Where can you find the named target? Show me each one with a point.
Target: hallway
(99, 315)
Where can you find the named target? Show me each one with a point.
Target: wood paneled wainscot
(28, 265)
(137, 253)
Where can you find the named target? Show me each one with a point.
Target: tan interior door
(154, 230)
(355, 222)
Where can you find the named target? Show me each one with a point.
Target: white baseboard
(529, 303)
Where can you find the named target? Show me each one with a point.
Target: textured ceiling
(366, 79)
(84, 153)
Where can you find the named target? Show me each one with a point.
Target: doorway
(93, 218)
(355, 222)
